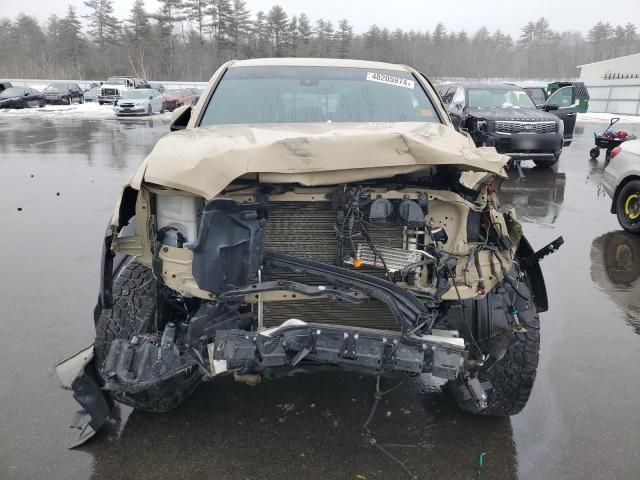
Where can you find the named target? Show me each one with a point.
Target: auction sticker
(390, 80)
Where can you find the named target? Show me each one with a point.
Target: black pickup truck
(503, 116)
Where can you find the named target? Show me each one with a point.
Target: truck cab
(113, 88)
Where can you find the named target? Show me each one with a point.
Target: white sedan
(142, 101)
(621, 180)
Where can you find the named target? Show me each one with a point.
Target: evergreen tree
(73, 42)
(239, 23)
(344, 36)
(439, 35)
(196, 11)
(277, 20)
(220, 12)
(138, 31)
(260, 35)
(103, 25)
(304, 28)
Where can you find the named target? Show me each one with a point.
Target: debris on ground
(481, 463)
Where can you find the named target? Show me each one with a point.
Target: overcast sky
(509, 16)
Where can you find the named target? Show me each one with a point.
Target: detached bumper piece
(296, 343)
(78, 374)
(136, 365)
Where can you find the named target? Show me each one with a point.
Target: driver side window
(561, 98)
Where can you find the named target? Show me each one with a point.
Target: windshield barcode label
(390, 80)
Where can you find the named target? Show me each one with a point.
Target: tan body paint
(204, 161)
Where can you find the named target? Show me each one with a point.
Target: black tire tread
(133, 303)
(513, 376)
(630, 187)
(547, 163)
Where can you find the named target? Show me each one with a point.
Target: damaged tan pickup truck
(310, 214)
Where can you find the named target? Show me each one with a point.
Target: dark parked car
(177, 98)
(503, 116)
(63, 94)
(21, 97)
(5, 85)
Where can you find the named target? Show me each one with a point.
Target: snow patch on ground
(606, 118)
(91, 110)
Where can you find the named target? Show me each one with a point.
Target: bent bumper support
(361, 349)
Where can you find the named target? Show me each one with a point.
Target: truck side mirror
(180, 118)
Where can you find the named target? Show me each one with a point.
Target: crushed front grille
(509, 126)
(394, 258)
(307, 230)
(374, 314)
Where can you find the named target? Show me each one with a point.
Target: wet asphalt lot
(582, 422)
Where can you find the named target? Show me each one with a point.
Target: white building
(614, 68)
(613, 85)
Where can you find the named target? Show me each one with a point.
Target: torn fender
(78, 374)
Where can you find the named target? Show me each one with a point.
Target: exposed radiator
(307, 230)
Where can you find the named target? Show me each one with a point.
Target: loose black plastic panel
(228, 251)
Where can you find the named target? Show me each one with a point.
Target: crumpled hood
(205, 160)
(513, 114)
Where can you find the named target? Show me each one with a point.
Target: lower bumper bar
(374, 351)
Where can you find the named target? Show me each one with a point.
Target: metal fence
(614, 96)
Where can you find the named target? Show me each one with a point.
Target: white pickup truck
(111, 90)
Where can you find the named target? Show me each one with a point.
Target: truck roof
(318, 62)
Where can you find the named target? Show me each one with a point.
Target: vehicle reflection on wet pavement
(582, 420)
(615, 268)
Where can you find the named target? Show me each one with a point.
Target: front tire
(628, 207)
(513, 375)
(133, 311)
(547, 163)
(594, 153)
